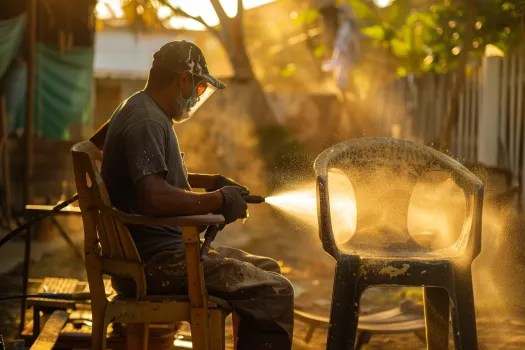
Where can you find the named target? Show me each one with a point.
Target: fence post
(487, 145)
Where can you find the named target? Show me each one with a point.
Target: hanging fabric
(63, 87)
(11, 33)
(346, 51)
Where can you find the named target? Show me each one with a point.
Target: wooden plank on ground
(49, 335)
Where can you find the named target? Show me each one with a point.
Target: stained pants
(252, 286)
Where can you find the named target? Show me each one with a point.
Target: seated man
(145, 173)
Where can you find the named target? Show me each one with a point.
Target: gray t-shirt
(141, 141)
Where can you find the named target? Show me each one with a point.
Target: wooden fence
(490, 128)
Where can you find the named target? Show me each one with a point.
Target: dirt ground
(306, 265)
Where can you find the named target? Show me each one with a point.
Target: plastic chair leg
(99, 326)
(344, 314)
(464, 312)
(363, 339)
(437, 315)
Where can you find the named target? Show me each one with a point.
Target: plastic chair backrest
(107, 240)
(397, 164)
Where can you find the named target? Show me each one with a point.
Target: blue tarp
(63, 83)
(62, 90)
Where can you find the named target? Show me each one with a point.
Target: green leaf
(320, 51)
(508, 6)
(401, 72)
(289, 70)
(307, 16)
(374, 32)
(363, 11)
(393, 12)
(400, 48)
(423, 17)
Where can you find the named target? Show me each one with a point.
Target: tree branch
(223, 17)
(180, 12)
(240, 12)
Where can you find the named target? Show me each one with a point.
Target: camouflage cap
(182, 56)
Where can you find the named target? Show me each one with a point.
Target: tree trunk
(452, 116)
(255, 102)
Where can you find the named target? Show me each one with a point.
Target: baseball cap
(182, 56)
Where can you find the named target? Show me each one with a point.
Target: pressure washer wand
(209, 236)
(254, 199)
(211, 231)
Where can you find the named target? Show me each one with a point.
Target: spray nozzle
(254, 199)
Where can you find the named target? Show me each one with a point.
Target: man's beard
(181, 118)
(180, 115)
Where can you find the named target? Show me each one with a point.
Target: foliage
(423, 38)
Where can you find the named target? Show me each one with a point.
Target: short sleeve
(145, 149)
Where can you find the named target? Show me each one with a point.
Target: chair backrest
(384, 173)
(108, 245)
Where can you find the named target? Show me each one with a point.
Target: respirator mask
(200, 93)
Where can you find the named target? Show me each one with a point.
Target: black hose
(36, 219)
(11, 297)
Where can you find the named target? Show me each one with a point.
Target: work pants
(251, 285)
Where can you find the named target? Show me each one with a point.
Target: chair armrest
(192, 220)
(326, 234)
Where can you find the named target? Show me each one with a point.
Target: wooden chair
(110, 250)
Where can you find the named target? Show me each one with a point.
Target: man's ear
(185, 78)
(185, 83)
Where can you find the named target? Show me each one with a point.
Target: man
(144, 173)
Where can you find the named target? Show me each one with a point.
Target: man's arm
(144, 148)
(201, 180)
(213, 182)
(158, 198)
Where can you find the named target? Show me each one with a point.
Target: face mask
(188, 106)
(183, 105)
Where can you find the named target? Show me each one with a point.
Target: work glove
(222, 181)
(234, 206)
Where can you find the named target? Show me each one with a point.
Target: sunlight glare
(383, 3)
(106, 9)
(204, 9)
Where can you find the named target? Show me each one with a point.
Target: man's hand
(222, 181)
(233, 207)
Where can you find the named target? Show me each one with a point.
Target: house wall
(52, 164)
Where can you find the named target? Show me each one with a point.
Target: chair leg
(137, 335)
(437, 314)
(236, 319)
(464, 312)
(217, 329)
(344, 314)
(363, 338)
(99, 326)
(199, 328)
